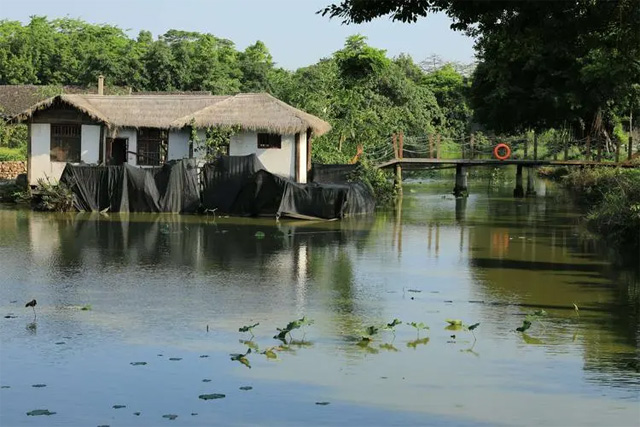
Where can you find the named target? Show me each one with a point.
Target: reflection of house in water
(188, 242)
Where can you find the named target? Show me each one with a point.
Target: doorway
(117, 151)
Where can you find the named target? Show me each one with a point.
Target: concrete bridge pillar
(519, 190)
(531, 175)
(461, 188)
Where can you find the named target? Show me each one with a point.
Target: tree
(542, 64)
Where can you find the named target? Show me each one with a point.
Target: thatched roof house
(148, 130)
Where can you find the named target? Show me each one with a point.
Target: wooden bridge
(430, 157)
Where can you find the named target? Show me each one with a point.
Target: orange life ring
(507, 152)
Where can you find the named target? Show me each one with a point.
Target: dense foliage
(542, 64)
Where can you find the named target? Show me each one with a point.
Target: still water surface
(156, 283)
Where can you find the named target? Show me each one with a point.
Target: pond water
(137, 316)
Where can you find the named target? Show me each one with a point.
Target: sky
(293, 32)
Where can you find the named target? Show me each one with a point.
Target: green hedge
(12, 154)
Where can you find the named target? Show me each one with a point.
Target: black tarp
(224, 178)
(332, 174)
(241, 186)
(237, 185)
(171, 188)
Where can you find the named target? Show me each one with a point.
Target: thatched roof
(256, 111)
(15, 99)
(248, 111)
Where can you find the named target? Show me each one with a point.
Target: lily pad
(119, 406)
(417, 291)
(454, 322)
(60, 343)
(37, 412)
(39, 385)
(170, 416)
(322, 403)
(202, 356)
(193, 414)
(259, 235)
(212, 396)
(175, 359)
(206, 380)
(10, 316)
(5, 386)
(137, 414)
(138, 363)
(246, 388)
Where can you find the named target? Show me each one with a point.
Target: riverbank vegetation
(611, 198)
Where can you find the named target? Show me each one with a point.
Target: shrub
(48, 197)
(12, 154)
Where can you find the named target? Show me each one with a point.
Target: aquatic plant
(248, 328)
(391, 326)
(242, 358)
(526, 324)
(415, 343)
(32, 304)
(418, 327)
(296, 324)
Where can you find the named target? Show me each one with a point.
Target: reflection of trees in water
(533, 254)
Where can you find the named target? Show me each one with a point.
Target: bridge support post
(531, 180)
(461, 189)
(519, 190)
(397, 179)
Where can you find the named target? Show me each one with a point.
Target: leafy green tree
(542, 64)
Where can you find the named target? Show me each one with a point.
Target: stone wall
(11, 170)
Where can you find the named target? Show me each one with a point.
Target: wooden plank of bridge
(438, 146)
(535, 146)
(526, 148)
(401, 143)
(471, 143)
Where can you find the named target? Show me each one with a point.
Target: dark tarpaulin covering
(327, 201)
(171, 188)
(224, 178)
(241, 186)
(333, 174)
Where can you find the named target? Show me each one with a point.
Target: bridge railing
(436, 146)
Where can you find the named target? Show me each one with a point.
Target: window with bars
(269, 140)
(152, 146)
(65, 143)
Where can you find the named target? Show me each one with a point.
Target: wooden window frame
(65, 143)
(269, 141)
(151, 146)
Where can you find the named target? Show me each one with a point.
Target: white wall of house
(90, 143)
(39, 162)
(302, 166)
(178, 146)
(280, 161)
